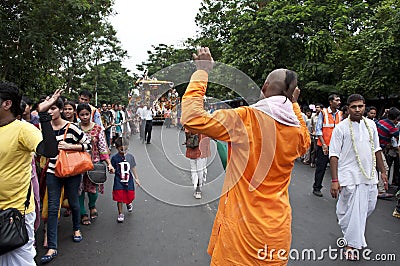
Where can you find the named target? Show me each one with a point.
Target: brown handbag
(71, 163)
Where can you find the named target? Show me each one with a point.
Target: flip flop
(85, 220)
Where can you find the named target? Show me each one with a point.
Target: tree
(311, 37)
(335, 46)
(368, 61)
(111, 81)
(51, 44)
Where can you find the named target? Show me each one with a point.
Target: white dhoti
(197, 168)
(355, 204)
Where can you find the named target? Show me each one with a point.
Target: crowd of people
(321, 122)
(274, 132)
(333, 142)
(32, 138)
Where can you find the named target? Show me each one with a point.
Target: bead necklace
(371, 141)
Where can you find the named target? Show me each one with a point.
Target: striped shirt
(74, 136)
(386, 130)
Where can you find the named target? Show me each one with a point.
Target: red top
(202, 151)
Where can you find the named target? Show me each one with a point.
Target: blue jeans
(71, 187)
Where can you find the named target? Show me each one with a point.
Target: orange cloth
(328, 125)
(254, 209)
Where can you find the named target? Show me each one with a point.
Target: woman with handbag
(99, 153)
(69, 115)
(70, 138)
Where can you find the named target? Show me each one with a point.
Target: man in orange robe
(253, 222)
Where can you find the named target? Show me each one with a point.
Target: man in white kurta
(354, 154)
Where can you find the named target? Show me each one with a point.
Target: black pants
(147, 130)
(321, 164)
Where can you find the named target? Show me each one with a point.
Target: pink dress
(99, 152)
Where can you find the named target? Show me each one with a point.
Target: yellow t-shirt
(17, 142)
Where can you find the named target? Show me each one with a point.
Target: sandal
(77, 238)
(47, 258)
(85, 220)
(93, 214)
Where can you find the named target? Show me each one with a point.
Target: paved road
(169, 227)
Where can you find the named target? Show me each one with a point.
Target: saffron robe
(254, 209)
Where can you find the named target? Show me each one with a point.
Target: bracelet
(83, 147)
(44, 117)
(335, 180)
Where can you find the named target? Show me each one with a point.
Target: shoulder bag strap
(28, 197)
(66, 130)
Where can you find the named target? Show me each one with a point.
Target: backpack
(192, 140)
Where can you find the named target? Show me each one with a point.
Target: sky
(141, 24)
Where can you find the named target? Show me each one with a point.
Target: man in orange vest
(327, 119)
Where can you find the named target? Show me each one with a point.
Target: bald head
(277, 75)
(280, 82)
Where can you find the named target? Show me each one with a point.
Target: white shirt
(148, 114)
(140, 112)
(349, 173)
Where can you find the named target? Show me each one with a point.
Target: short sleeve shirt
(119, 162)
(18, 140)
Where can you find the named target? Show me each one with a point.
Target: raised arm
(222, 124)
(48, 146)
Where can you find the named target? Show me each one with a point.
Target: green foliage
(111, 81)
(369, 61)
(51, 44)
(335, 46)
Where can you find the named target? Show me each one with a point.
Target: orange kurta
(254, 209)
